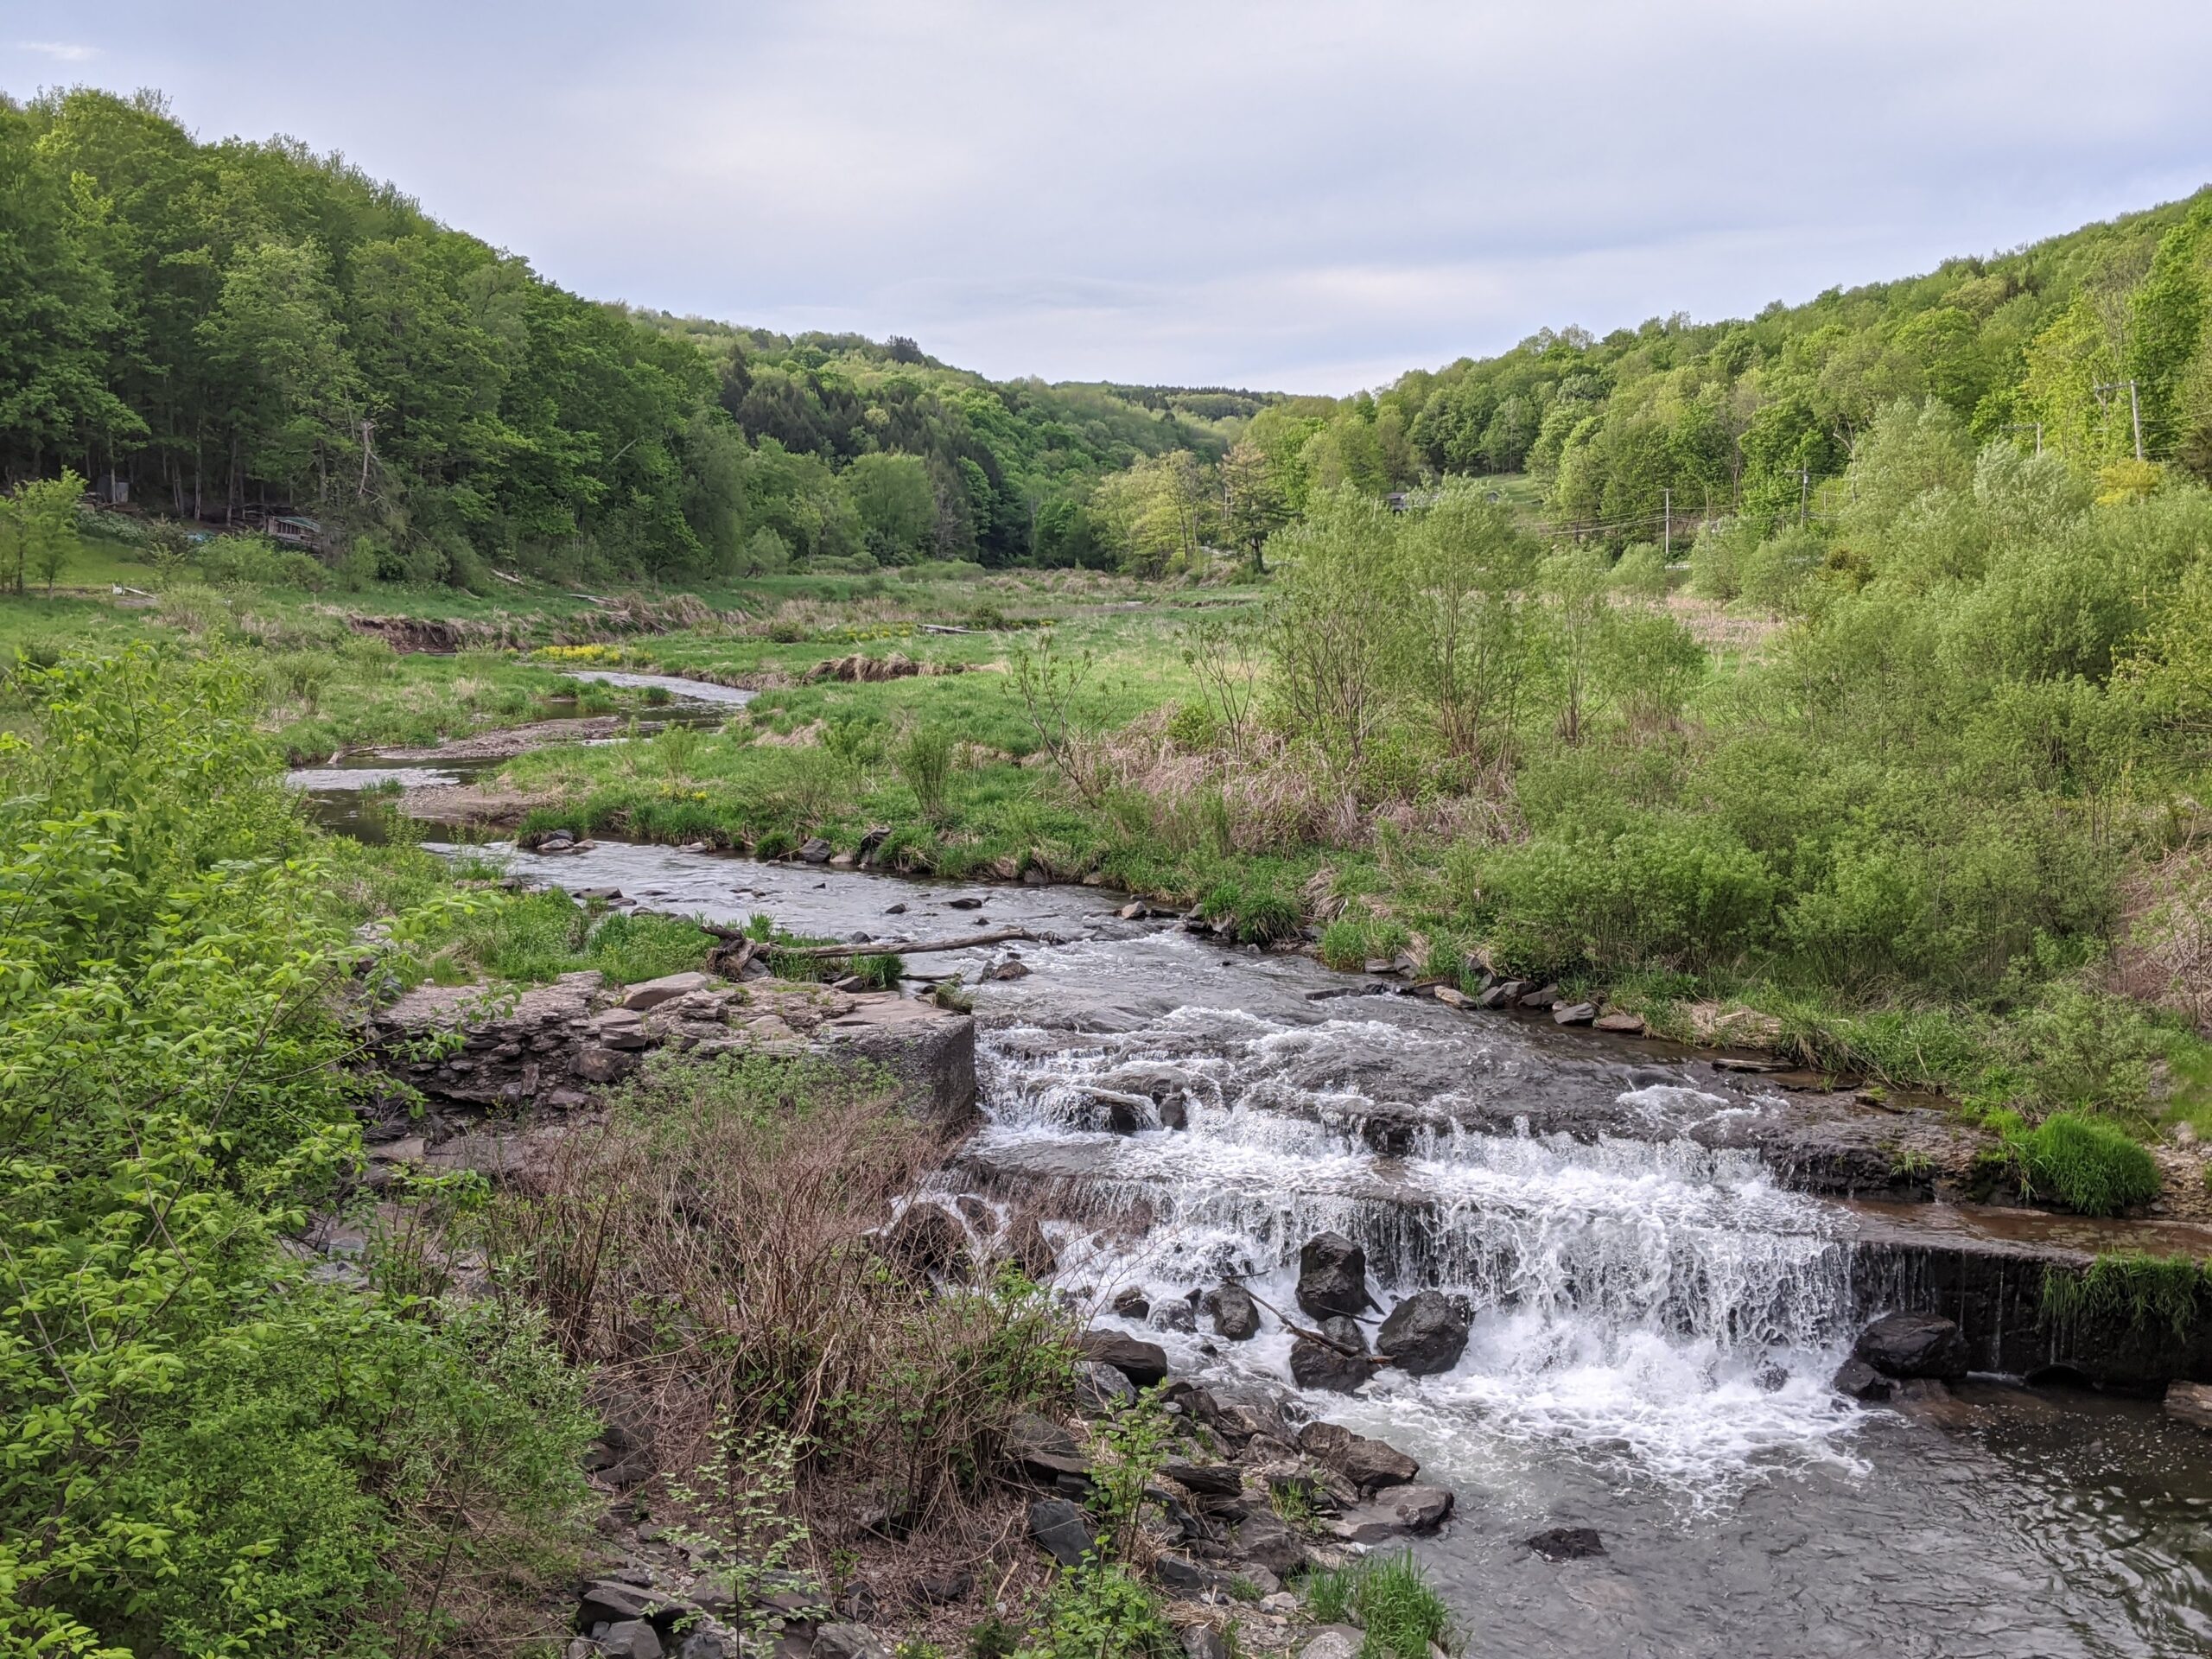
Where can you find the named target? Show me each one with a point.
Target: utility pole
(1804, 495)
(2029, 426)
(1666, 525)
(2135, 408)
(368, 428)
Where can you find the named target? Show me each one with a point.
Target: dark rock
(1234, 1314)
(1143, 1363)
(1574, 1013)
(1265, 1537)
(1008, 968)
(1426, 1333)
(1319, 1365)
(1174, 1114)
(710, 1642)
(1063, 1530)
(1398, 1511)
(1861, 1381)
(1370, 1465)
(1185, 1578)
(815, 851)
(848, 1641)
(631, 1638)
(927, 1238)
(966, 901)
(1625, 1025)
(943, 1589)
(1028, 1247)
(1042, 1449)
(1130, 1303)
(609, 1601)
(1543, 997)
(1205, 1479)
(858, 1604)
(1332, 1276)
(894, 910)
(1501, 996)
(1203, 1641)
(1100, 1388)
(1567, 1544)
(1913, 1344)
(1178, 1315)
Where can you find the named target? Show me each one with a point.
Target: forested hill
(1751, 417)
(236, 325)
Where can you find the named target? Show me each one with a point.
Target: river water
(1656, 1322)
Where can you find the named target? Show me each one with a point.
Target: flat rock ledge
(552, 1046)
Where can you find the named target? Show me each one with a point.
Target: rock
(1234, 1313)
(1043, 1449)
(2191, 1402)
(1334, 1642)
(1063, 1530)
(1626, 1024)
(621, 1028)
(858, 1604)
(848, 1641)
(1028, 1247)
(1369, 1464)
(1567, 1544)
(605, 1065)
(1129, 1303)
(1395, 1513)
(1501, 996)
(814, 851)
(610, 1601)
(1135, 910)
(927, 1238)
(1265, 1537)
(710, 1642)
(1913, 1344)
(943, 1589)
(1174, 1114)
(1860, 1381)
(1426, 1333)
(1451, 996)
(1143, 1363)
(966, 901)
(1101, 1388)
(1009, 968)
(1185, 1580)
(1574, 1013)
(1203, 1641)
(1332, 1276)
(1318, 1365)
(631, 1638)
(895, 910)
(1176, 1315)
(652, 993)
(1206, 1479)
(1543, 997)
(1771, 1378)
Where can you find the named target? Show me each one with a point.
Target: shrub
(2089, 1165)
(1389, 1597)
(924, 758)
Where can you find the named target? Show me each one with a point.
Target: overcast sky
(1296, 196)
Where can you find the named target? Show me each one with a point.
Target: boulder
(652, 993)
(1028, 1247)
(710, 1642)
(1129, 1302)
(1426, 1333)
(1185, 1580)
(1860, 1381)
(1574, 1013)
(1203, 1641)
(1234, 1314)
(631, 1638)
(1625, 1025)
(814, 851)
(1100, 1388)
(1394, 1513)
(1042, 1449)
(1174, 1315)
(1543, 997)
(848, 1641)
(1265, 1537)
(1332, 1276)
(927, 1238)
(2191, 1402)
(1501, 996)
(1143, 1363)
(1334, 1642)
(610, 1601)
(1914, 1345)
(1370, 1465)
(1567, 1544)
(1325, 1364)
(1206, 1479)
(1063, 1530)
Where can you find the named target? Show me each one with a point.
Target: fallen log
(877, 947)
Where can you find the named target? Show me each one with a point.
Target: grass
(2150, 1290)
(2089, 1165)
(1388, 1597)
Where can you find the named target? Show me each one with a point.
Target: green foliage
(1102, 1610)
(214, 1452)
(2149, 1291)
(1128, 1461)
(2089, 1165)
(924, 758)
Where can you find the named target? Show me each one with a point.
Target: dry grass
(2166, 955)
(713, 1247)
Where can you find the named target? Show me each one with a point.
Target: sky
(1287, 196)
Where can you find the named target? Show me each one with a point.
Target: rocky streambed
(1652, 1269)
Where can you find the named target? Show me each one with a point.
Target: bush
(2090, 1166)
(924, 758)
(1389, 1597)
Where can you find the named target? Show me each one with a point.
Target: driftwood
(1297, 1330)
(939, 627)
(504, 576)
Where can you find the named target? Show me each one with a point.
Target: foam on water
(1650, 1305)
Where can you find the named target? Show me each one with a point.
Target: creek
(1657, 1316)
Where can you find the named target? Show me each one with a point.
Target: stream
(1657, 1321)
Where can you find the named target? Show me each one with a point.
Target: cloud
(61, 51)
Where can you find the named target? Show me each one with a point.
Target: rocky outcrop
(550, 1047)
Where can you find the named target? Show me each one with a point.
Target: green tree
(897, 508)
